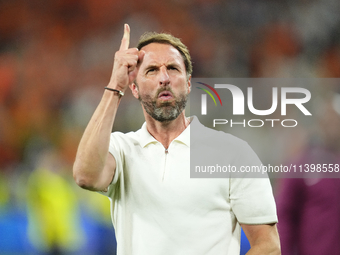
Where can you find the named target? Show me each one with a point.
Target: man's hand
(125, 63)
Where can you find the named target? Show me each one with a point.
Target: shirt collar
(146, 138)
(184, 137)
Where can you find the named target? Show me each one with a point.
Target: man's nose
(164, 78)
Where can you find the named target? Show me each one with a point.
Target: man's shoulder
(202, 134)
(210, 147)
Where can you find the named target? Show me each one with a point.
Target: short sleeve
(252, 199)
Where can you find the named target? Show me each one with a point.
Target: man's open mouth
(165, 95)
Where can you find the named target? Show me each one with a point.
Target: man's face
(162, 85)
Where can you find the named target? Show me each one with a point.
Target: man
(156, 207)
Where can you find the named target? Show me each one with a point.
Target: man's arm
(94, 166)
(263, 239)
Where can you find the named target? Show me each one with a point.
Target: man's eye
(172, 68)
(151, 70)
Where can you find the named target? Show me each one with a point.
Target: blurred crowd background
(55, 59)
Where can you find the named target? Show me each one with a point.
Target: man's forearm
(264, 239)
(265, 249)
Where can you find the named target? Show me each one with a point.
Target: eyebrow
(155, 66)
(174, 65)
(152, 66)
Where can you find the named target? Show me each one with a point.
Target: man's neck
(166, 132)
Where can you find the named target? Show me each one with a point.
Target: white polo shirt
(157, 209)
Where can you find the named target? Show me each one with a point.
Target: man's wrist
(119, 92)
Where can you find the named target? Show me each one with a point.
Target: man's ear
(134, 90)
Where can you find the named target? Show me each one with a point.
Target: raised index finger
(126, 38)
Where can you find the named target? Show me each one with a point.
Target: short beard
(166, 112)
